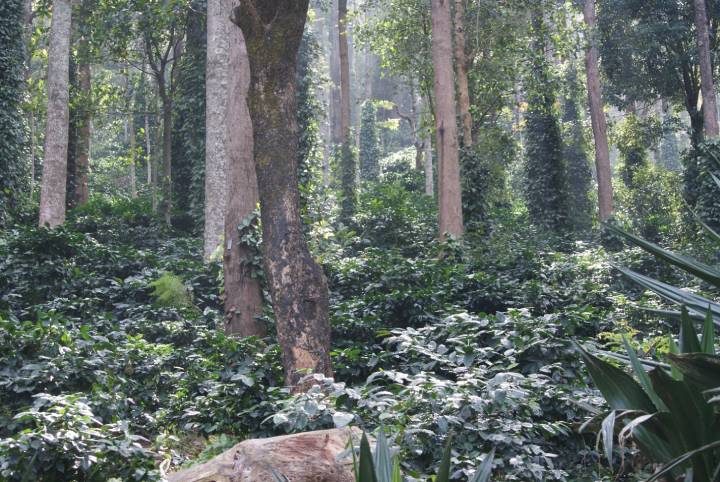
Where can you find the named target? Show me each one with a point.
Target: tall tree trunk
(82, 149)
(52, 193)
(273, 30)
(218, 77)
(462, 77)
(429, 183)
(148, 150)
(167, 154)
(450, 215)
(133, 149)
(347, 160)
(335, 104)
(234, 137)
(28, 22)
(708, 86)
(597, 116)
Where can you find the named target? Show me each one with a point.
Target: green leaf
(708, 334)
(701, 270)
(692, 419)
(483, 473)
(619, 389)
(443, 474)
(700, 368)
(383, 458)
(366, 467)
(697, 305)
(688, 336)
(677, 462)
(642, 376)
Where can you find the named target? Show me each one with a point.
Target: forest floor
(113, 361)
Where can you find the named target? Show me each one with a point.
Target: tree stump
(305, 457)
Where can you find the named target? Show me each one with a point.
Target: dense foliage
(13, 153)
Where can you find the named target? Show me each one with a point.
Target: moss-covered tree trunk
(706, 70)
(273, 30)
(53, 190)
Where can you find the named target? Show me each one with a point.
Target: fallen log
(319, 456)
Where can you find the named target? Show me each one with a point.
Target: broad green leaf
(688, 336)
(701, 270)
(692, 419)
(700, 368)
(443, 474)
(642, 376)
(483, 473)
(383, 458)
(619, 389)
(677, 462)
(366, 467)
(708, 334)
(697, 305)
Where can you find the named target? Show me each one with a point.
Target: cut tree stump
(305, 457)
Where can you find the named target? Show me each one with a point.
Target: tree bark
(347, 156)
(82, 149)
(273, 30)
(167, 153)
(597, 115)
(52, 193)
(429, 184)
(243, 293)
(450, 215)
(133, 149)
(462, 76)
(219, 30)
(335, 104)
(709, 106)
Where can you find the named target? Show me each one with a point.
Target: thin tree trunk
(708, 87)
(429, 184)
(243, 293)
(82, 152)
(462, 76)
(218, 75)
(273, 30)
(450, 215)
(133, 151)
(335, 104)
(31, 121)
(597, 115)
(167, 156)
(347, 157)
(52, 193)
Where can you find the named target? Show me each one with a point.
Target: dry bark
(709, 106)
(597, 115)
(335, 104)
(462, 76)
(82, 149)
(450, 215)
(306, 457)
(219, 32)
(243, 293)
(52, 193)
(273, 31)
